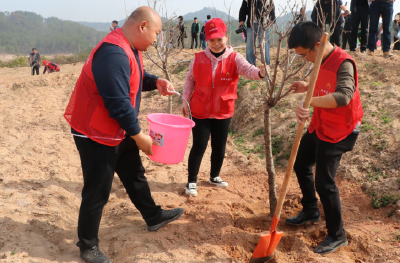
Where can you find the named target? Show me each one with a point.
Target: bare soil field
(41, 180)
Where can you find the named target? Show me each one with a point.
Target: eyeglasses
(304, 57)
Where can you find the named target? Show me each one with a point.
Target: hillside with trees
(21, 31)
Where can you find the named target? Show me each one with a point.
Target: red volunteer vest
(51, 67)
(86, 112)
(333, 125)
(218, 98)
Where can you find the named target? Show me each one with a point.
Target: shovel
(268, 242)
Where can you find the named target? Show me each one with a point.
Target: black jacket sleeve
(111, 71)
(149, 82)
(272, 13)
(243, 11)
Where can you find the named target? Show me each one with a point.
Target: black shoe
(167, 216)
(94, 255)
(331, 244)
(304, 217)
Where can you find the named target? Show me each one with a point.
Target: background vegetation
(21, 31)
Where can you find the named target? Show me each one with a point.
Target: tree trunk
(269, 159)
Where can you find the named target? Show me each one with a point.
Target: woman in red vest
(50, 67)
(211, 87)
(333, 130)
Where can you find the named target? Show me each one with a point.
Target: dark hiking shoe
(304, 217)
(331, 244)
(94, 255)
(167, 216)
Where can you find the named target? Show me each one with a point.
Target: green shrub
(242, 81)
(20, 61)
(258, 132)
(384, 200)
(277, 144)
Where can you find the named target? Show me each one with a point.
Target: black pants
(337, 35)
(35, 69)
(326, 156)
(99, 162)
(181, 40)
(201, 133)
(194, 38)
(397, 45)
(346, 39)
(359, 15)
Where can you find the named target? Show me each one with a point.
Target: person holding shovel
(333, 130)
(211, 87)
(103, 114)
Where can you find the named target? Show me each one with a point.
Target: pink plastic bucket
(171, 135)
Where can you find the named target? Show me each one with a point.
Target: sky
(108, 10)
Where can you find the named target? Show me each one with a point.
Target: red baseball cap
(215, 28)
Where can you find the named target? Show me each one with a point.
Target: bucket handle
(177, 93)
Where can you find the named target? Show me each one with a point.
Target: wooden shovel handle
(299, 134)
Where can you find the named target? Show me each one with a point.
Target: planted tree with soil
(285, 65)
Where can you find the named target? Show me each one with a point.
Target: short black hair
(33, 49)
(305, 34)
(115, 21)
(208, 17)
(195, 18)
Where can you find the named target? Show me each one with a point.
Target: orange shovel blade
(260, 252)
(267, 244)
(266, 247)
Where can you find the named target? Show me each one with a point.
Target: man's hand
(185, 109)
(165, 87)
(299, 87)
(302, 113)
(262, 70)
(144, 143)
(241, 24)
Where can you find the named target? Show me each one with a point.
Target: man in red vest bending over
(50, 67)
(333, 130)
(103, 112)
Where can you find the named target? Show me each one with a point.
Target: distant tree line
(21, 31)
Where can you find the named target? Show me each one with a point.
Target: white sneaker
(218, 181)
(191, 189)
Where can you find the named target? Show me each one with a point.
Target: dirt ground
(41, 181)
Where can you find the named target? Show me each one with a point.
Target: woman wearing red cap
(211, 87)
(50, 67)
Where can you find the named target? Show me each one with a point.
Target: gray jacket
(34, 59)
